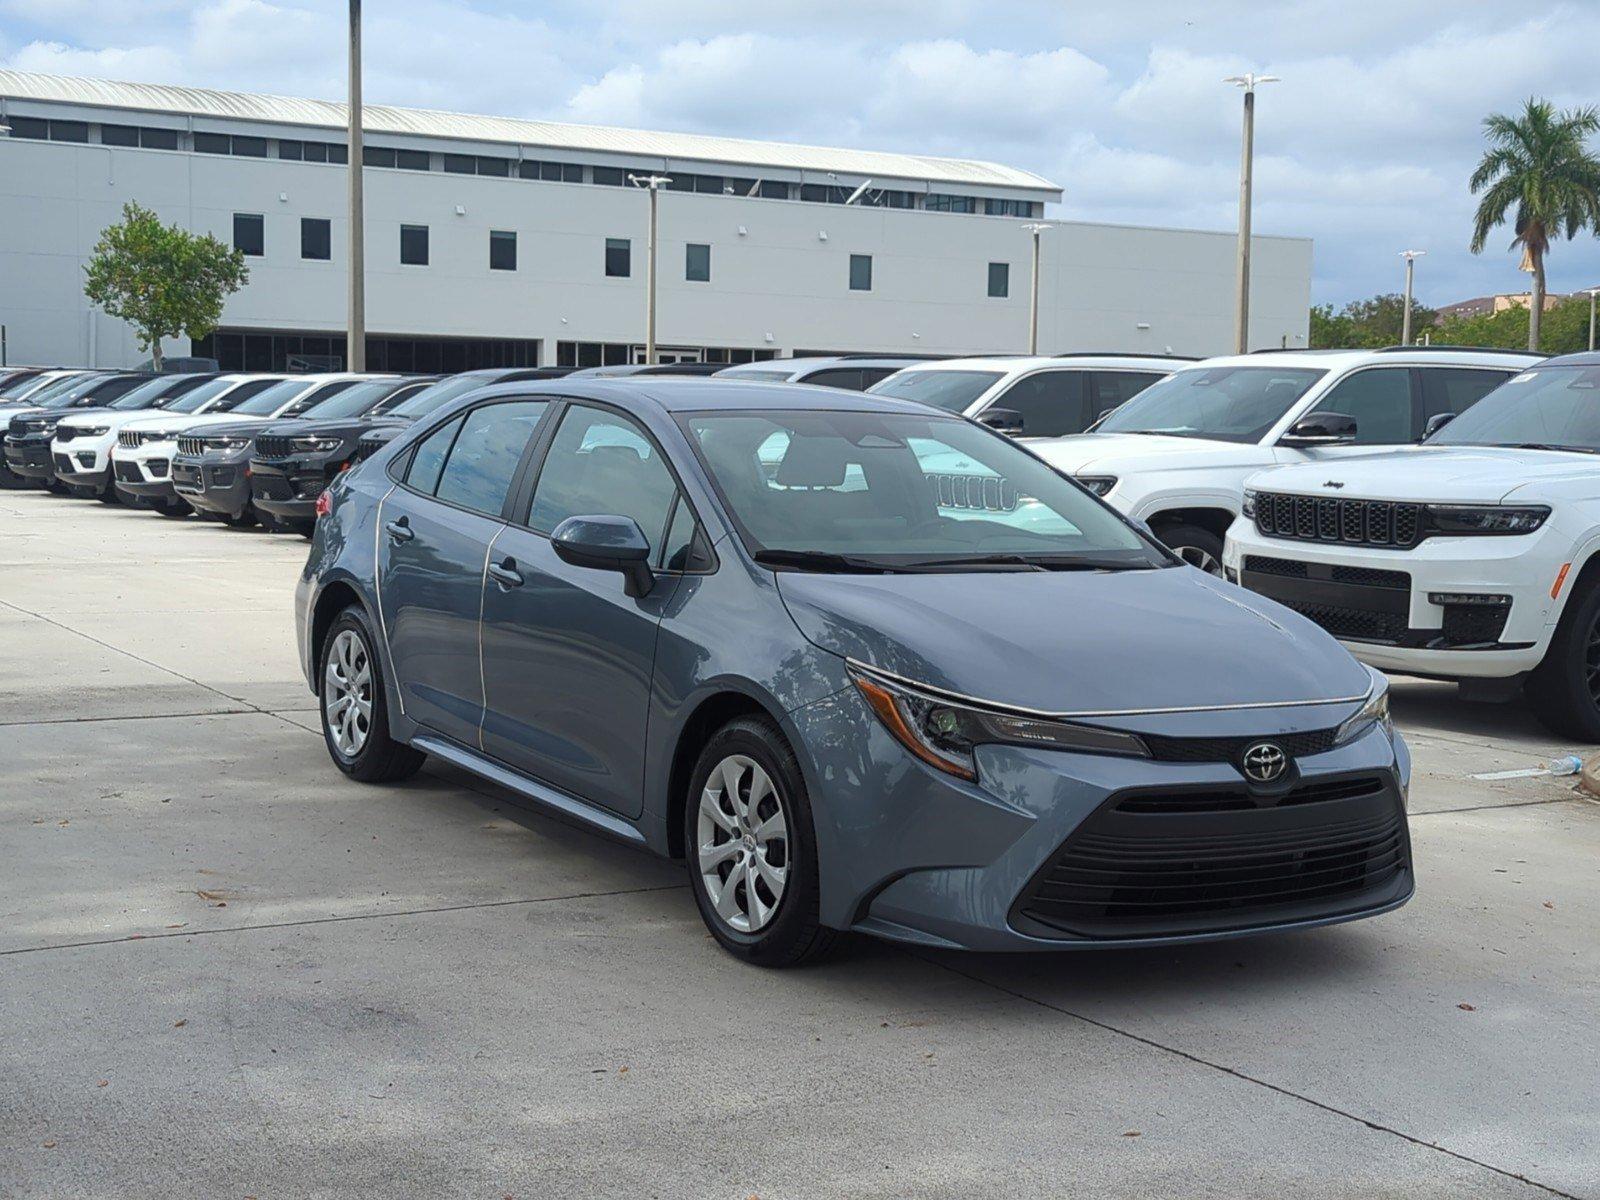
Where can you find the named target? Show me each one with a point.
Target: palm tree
(1538, 165)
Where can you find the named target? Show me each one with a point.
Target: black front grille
(192, 445)
(63, 463)
(1359, 624)
(126, 471)
(157, 466)
(273, 447)
(1231, 749)
(365, 450)
(1383, 523)
(1474, 624)
(1289, 568)
(1165, 862)
(65, 433)
(130, 439)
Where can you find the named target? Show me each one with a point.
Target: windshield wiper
(1037, 562)
(1544, 446)
(821, 560)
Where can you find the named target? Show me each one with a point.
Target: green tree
(161, 279)
(1365, 324)
(1538, 173)
(1564, 329)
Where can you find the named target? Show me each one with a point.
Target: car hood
(114, 418)
(1076, 642)
(246, 425)
(175, 423)
(328, 427)
(1444, 474)
(1121, 453)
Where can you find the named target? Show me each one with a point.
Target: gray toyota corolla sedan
(863, 665)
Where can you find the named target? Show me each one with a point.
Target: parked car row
(1371, 491)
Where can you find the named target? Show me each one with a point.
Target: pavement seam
(1235, 1073)
(1439, 812)
(373, 916)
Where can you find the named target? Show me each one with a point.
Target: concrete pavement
(226, 971)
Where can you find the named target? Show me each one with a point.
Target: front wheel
(355, 709)
(1564, 689)
(751, 848)
(1196, 546)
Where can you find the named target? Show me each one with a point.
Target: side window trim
(401, 468)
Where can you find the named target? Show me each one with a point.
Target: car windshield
(1548, 408)
(275, 397)
(63, 391)
(191, 401)
(430, 398)
(353, 400)
(144, 395)
(953, 391)
(1224, 404)
(846, 491)
(21, 386)
(777, 375)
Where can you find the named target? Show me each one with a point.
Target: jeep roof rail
(1125, 354)
(1470, 349)
(907, 357)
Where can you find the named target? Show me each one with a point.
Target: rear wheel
(1564, 689)
(751, 848)
(1196, 546)
(355, 710)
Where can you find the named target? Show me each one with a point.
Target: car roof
(1012, 363)
(1405, 355)
(1583, 358)
(666, 393)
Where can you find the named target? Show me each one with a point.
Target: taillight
(324, 503)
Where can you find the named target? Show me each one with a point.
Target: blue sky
(1365, 146)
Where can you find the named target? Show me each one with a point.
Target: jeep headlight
(1375, 711)
(93, 430)
(1248, 508)
(943, 732)
(1100, 485)
(1487, 518)
(316, 445)
(230, 445)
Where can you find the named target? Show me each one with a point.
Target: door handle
(505, 574)
(400, 530)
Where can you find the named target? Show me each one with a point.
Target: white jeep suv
(1475, 557)
(1177, 455)
(1030, 396)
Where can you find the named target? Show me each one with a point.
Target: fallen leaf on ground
(1467, 1007)
(1548, 904)
(104, 1083)
(1133, 1133)
(50, 1144)
(180, 1024)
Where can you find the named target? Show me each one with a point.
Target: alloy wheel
(1591, 661)
(1196, 557)
(347, 693)
(742, 839)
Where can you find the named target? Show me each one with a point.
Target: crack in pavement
(347, 917)
(1235, 1073)
(1439, 812)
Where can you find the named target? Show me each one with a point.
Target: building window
(1008, 208)
(502, 250)
(158, 139)
(328, 152)
(697, 263)
(250, 147)
(861, 272)
(405, 160)
(941, 202)
(249, 234)
(316, 238)
(213, 143)
(414, 245)
(456, 164)
(139, 135)
(119, 135)
(1000, 279)
(774, 189)
(610, 176)
(619, 258)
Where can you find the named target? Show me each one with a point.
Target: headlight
(1100, 485)
(93, 430)
(229, 444)
(1248, 509)
(944, 733)
(316, 445)
(1486, 518)
(1374, 712)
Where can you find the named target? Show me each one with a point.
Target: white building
(494, 241)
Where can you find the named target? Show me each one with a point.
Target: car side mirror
(607, 543)
(1003, 420)
(1435, 423)
(1321, 429)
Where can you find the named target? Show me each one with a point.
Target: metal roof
(381, 118)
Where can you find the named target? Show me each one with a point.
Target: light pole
(1411, 257)
(653, 182)
(1036, 228)
(1593, 292)
(1248, 81)
(5, 131)
(356, 324)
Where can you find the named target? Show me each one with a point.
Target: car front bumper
(145, 472)
(214, 484)
(82, 462)
(1380, 603)
(30, 458)
(288, 487)
(1052, 850)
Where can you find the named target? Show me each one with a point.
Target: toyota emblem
(1265, 762)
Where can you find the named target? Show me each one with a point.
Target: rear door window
(483, 460)
(427, 462)
(838, 377)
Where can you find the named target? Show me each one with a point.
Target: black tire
(793, 933)
(1198, 547)
(303, 527)
(379, 758)
(1564, 689)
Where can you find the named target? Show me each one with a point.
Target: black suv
(31, 429)
(211, 467)
(292, 464)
